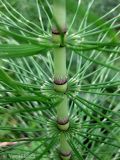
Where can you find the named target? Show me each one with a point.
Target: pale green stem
(60, 69)
(59, 13)
(60, 77)
(65, 148)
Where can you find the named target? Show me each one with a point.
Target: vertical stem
(60, 77)
(65, 148)
(59, 13)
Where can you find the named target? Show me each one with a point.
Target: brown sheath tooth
(65, 154)
(60, 81)
(63, 122)
(55, 31)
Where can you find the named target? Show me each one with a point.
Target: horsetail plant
(59, 81)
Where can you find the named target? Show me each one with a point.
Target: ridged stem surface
(60, 77)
